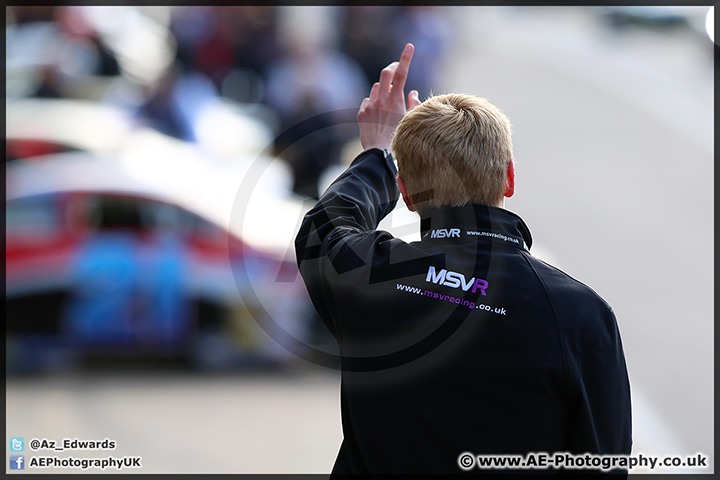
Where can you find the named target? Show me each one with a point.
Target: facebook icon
(17, 462)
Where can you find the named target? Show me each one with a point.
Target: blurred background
(159, 161)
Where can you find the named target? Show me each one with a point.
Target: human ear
(510, 180)
(403, 192)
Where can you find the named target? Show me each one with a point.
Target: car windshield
(32, 217)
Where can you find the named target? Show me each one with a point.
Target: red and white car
(154, 246)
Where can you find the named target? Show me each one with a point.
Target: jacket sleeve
(338, 236)
(600, 421)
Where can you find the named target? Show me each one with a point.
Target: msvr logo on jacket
(452, 279)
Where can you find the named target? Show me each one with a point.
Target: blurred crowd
(309, 66)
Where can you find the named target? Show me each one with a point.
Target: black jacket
(460, 342)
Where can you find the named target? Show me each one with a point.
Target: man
(463, 342)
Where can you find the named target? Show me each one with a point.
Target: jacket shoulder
(583, 317)
(564, 287)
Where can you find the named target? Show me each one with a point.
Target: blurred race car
(652, 16)
(123, 241)
(107, 271)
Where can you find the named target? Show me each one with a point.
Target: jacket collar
(475, 221)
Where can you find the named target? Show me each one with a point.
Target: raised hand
(380, 113)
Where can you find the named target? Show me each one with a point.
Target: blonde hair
(453, 149)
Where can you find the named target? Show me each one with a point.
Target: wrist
(385, 154)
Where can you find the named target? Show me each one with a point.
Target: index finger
(403, 67)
